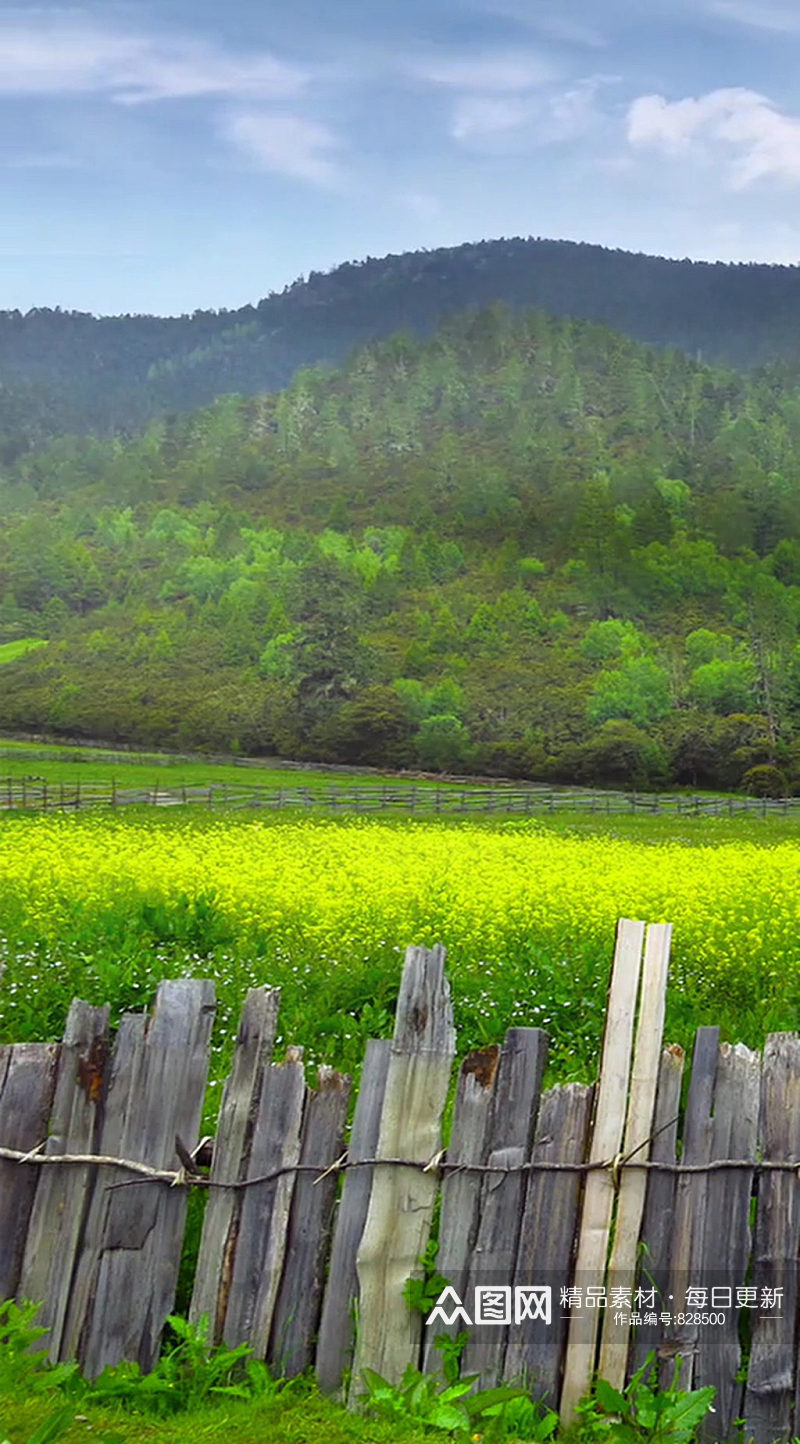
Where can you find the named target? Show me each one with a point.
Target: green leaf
(609, 1398)
(53, 1428)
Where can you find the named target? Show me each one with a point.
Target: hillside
(525, 545)
(66, 371)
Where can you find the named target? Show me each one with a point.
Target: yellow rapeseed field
(323, 906)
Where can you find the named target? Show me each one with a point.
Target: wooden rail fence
(649, 1233)
(34, 794)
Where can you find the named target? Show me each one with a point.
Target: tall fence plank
(297, 1309)
(132, 1288)
(402, 1199)
(255, 1041)
(461, 1192)
(638, 1129)
(691, 1193)
(598, 1201)
(770, 1398)
(547, 1236)
(124, 1075)
(515, 1107)
(261, 1243)
(62, 1195)
(336, 1330)
(726, 1250)
(656, 1231)
(27, 1079)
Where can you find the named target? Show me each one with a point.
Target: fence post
(402, 1201)
(599, 1195)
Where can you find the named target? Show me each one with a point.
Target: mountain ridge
(71, 371)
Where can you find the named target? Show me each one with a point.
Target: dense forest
(68, 371)
(523, 546)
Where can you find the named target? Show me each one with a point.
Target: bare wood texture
(297, 1309)
(515, 1106)
(638, 1128)
(461, 1192)
(335, 1342)
(255, 1041)
(771, 1397)
(124, 1075)
(136, 1233)
(264, 1220)
(726, 1244)
(547, 1236)
(62, 1196)
(598, 1199)
(402, 1199)
(27, 1079)
(691, 1193)
(656, 1231)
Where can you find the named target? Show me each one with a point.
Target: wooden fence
(35, 794)
(574, 1189)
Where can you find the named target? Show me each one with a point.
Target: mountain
(521, 545)
(68, 371)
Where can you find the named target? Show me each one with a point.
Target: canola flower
(106, 906)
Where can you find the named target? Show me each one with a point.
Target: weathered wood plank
(62, 1194)
(335, 1341)
(770, 1397)
(135, 1241)
(297, 1308)
(27, 1080)
(515, 1107)
(255, 1041)
(461, 1192)
(261, 1243)
(402, 1199)
(598, 1198)
(638, 1129)
(656, 1232)
(547, 1236)
(124, 1073)
(691, 1193)
(726, 1249)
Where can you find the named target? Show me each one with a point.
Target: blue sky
(190, 153)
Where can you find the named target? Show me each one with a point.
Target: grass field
(299, 1417)
(70, 764)
(12, 651)
(103, 906)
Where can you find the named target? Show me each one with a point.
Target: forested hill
(62, 370)
(525, 546)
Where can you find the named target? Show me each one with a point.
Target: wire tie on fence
(615, 1167)
(434, 1161)
(181, 1178)
(28, 1156)
(338, 1163)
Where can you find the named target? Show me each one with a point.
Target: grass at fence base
(298, 1419)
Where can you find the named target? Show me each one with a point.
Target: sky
(193, 154)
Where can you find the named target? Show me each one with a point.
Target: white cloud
(543, 117)
(288, 144)
(487, 115)
(499, 72)
(764, 144)
(776, 18)
(64, 53)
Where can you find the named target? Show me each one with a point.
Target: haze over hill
(64, 371)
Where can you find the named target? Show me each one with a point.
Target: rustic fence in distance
(36, 795)
(575, 1189)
